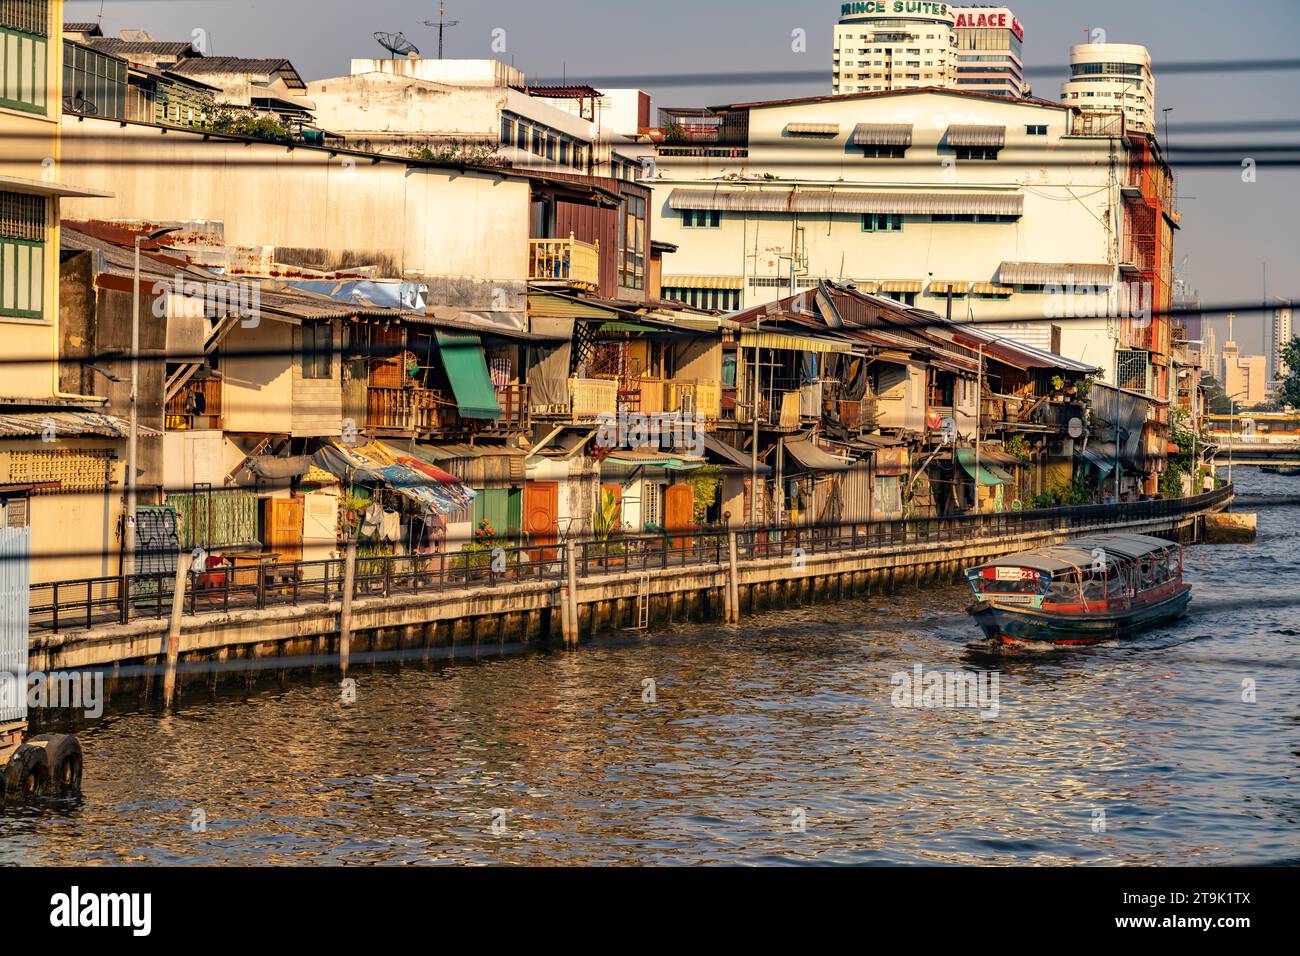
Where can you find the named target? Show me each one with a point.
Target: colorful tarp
(434, 490)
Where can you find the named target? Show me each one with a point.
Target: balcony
(699, 398)
(590, 398)
(781, 413)
(196, 406)
(429, 412)
(565, 263)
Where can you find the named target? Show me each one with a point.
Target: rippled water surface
(1143, 752)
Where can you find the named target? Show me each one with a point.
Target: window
(521, 140)
(884, 152)
(22, 255)
(317, 350)
(632, 236)
(24, 41)
(977, 152)
(701, 218)
(1036, 130)
(13, 512)
(720, 300)
(507, 131)
(907, 298)
(970, 217)
(881, 222)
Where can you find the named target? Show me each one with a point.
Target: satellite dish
(397, 44)
(79, 104)
(1075, 428)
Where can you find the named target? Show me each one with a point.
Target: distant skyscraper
(1283, 333)
(880, 45)
(1113, 77)
(989, 54)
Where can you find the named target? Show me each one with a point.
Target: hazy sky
(1229, 230)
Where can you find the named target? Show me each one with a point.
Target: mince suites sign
(895, 7)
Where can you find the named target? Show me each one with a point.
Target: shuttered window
(24, 33)
(22, 255)
(14, 511)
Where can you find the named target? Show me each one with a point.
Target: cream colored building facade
(908, 194)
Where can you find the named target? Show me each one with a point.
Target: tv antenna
(79, 104)
(442, 23)
(397, 44)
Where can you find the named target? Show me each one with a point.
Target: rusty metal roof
(67, 425)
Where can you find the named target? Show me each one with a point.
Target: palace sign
(992, 19)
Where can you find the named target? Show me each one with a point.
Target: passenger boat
(1085, 591)
(1290, 471)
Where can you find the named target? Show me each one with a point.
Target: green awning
(667, 464)
(629, 327)
(989, 473)
(462, 356)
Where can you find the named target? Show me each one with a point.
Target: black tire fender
(26, 775)
(63, 762)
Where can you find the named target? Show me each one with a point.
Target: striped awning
(813, 129)
(791, 343)
(702, 282)
(965, 135)
(849, 201)
(944, 286)
(990, 288)
(1056, 273)
(882, 134)
(899, 285)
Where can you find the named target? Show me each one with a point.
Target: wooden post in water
(345, 615)
(733, 581)
(571, 596)
(174, 630)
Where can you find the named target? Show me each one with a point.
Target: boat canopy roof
(1079, 553)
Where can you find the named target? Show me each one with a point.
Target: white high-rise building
(894, 45)
(1283, 333)
(1113, 77)
(990, 58)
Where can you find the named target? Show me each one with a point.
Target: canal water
(776, 741)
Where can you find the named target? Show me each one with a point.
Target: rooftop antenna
(442, 23)
(396, 44)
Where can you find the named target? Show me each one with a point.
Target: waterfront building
(1105, 77)
(1283, 332)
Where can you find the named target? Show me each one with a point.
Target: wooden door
(679, 511)
(542, 517)
(282, 523)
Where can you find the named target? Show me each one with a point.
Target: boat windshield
(1008, 581)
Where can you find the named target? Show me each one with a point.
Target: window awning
(848, 201)
(702, 282)
(899, 285)
(943, 287)
(882, 134)
(969, 135)
(989, 474)
(462, 357)
(813, 129)
(791, 343)
(734, 456)
(1056, 273)
(430, 488)
(813, 458)
(991, 288)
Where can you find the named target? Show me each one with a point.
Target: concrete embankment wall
(485, 620)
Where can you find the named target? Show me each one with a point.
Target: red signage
(996, 20)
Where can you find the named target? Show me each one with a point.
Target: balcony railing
(860, 414)
(782, 412)
(589, 398)
(196, 406)
(429, 411)
(564, 262)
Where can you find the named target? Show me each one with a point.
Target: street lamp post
(132, 444)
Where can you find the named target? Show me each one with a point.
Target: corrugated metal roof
(1056, 273)
(960, 134)
(882, 134)
(123, 47)
(813, 458)
(68, 425)
(848, 201)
